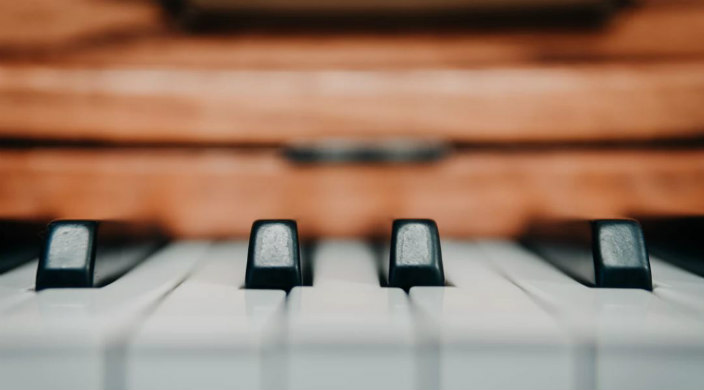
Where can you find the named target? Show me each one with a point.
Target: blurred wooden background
(106, 112)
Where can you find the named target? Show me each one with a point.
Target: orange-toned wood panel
(645, 33)
(110, 71)
(220, 192)
(132, 33)
(29, 25)
(556, 103)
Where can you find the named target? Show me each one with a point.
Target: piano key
(273, 260)
(208, 333)
(488, 332)
(678, 286)
(19, 243)
(677, 259)
(355, 265)
(17, 285)
(88, 254)
(346, 331)
(600, 253)
(74, 338)
(415, 258)
(633, 338)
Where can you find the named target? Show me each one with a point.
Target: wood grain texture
(36, 25)
(220, 192)
(544, 103)
(666, 30)
(109, 71)
(641, 78)
(99, 32)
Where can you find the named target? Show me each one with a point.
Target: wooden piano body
(106, 112)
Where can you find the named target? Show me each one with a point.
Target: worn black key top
(416, 259)
(19, 242)
(679, 241)
(273, 260)
(82, 253)
(599, 253)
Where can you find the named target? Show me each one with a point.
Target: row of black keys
(78, 253)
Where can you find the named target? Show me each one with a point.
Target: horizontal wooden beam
(220, 192)
(132, 33)
(535, 103)
(653, 31)
(30, 27)
(109, 71)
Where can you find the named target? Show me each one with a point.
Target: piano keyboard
(418, 312)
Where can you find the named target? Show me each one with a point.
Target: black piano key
(416, 258)
(19, 242)
(599, 253)
(82, 253)
(679, 241)
(273, 260)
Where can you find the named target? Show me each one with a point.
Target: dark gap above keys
(300, 151)
(677, 240)
(307, 250)
(88, 253)
(381, 258)
(608, 253)
(220, 19)
(19, 242)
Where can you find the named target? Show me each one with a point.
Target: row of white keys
(638, 340)
(209, 332)
(73, 338)
(490, 333)
(346, 331)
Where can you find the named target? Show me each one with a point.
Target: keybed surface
(488, 331)
(209, 332)
(346, 326)
(73, 338)
(506, 318)
(634, 338)
(678, 286)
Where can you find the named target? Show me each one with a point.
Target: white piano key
(679, 286)
(345, 264)
(490, 334)
(17, 285)
(638, 340)
(73, 338)
(347, 332)
(209, 333)
(466, 267)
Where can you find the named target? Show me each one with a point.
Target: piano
(460, 194)
(417, 311)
